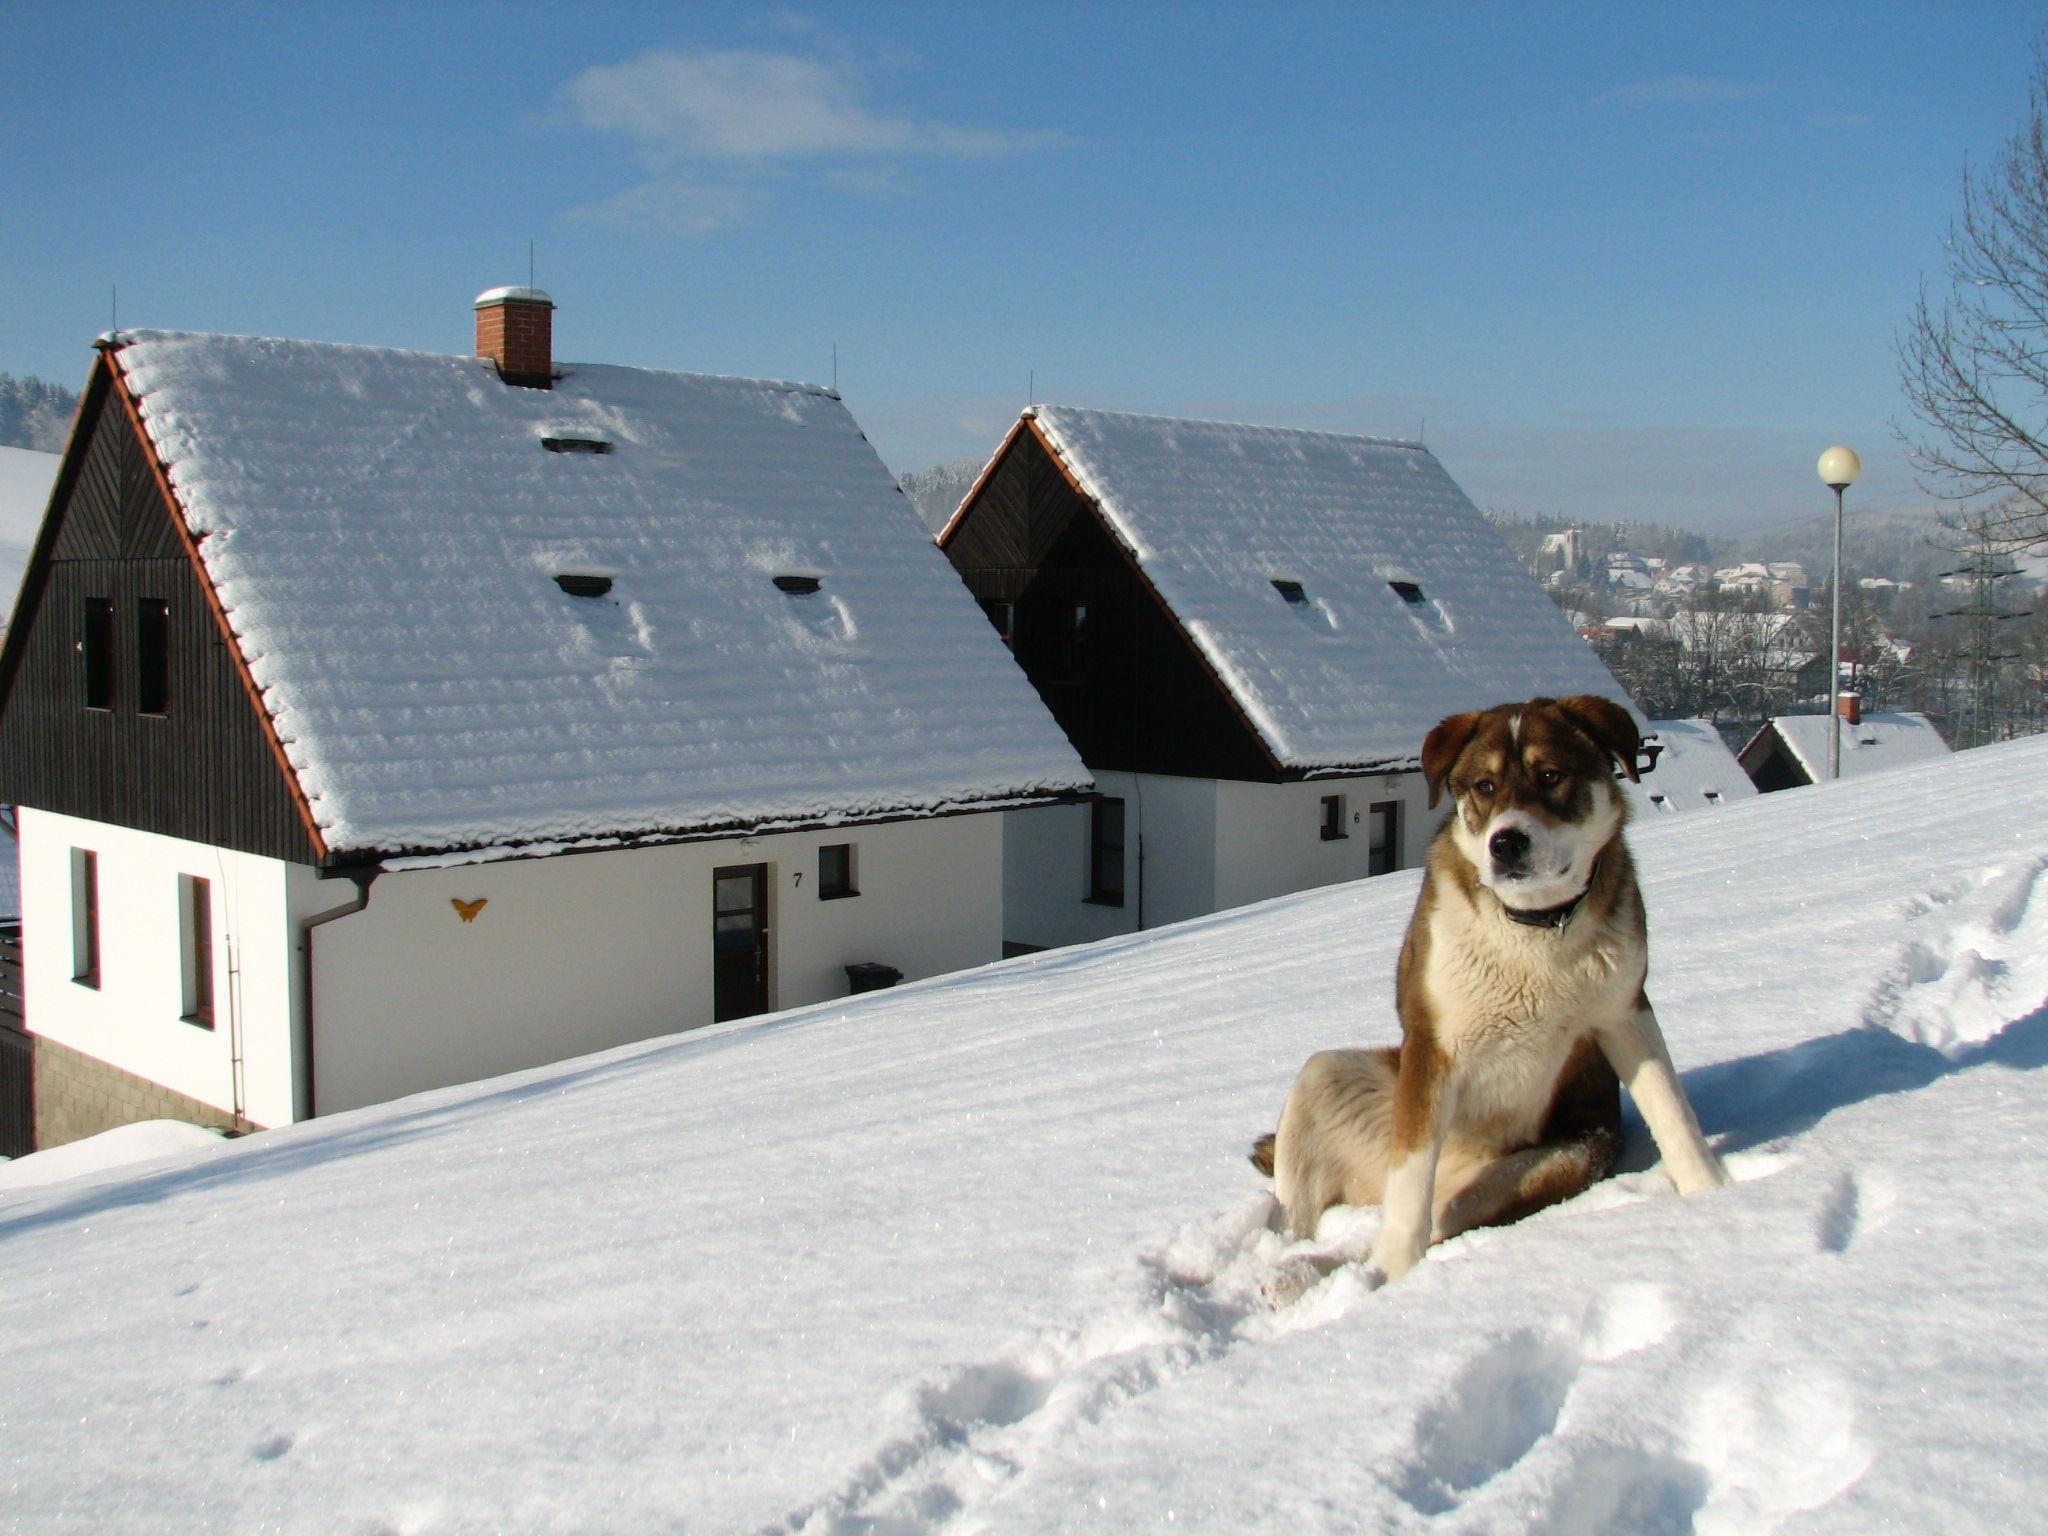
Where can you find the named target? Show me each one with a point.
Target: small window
(85, 917)
(96, 644)
(195, 922)
(1383, 852)
(153, 656)
(583, 585)
(798, 586)
(1106, 853)
(567, 443)
(1333, 818)
(1409, 593)
(835, 872)
(1661, 803)
(1291, 590)
(1003, 615)
(1070, 662)
(1713, 796)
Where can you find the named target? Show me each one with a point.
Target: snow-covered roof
(1877, 742)
(1694, 772)
(1355, 672)
(385, 529)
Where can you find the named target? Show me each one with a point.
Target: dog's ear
(1612, 728)
(1441, 747)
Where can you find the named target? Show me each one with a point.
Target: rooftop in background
(1694, 772)
(1413, 605)
(1875, 743)
(385, 529)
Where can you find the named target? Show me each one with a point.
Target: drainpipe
(302, 1079)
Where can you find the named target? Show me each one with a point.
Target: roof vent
(1409, 592)
(577, 585)
(1291, 590)
(575, 442)
(798, 586)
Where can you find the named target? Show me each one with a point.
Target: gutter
(302, 1053)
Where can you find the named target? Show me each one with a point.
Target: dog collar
(1545, 917)
(1551, 917)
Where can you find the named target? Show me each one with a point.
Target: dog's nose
(1509, 846)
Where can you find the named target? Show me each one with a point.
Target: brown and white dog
(1522, 1008)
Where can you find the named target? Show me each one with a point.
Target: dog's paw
(1293, 1279)
(1371, 1276)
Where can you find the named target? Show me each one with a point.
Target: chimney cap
(492, 296)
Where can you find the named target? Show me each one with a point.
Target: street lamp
(1838, 468)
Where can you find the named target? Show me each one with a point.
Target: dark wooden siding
(1144, 702)
(203, 770)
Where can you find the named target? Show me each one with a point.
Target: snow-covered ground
(983, 1253)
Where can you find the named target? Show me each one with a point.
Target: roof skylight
(575, 442)
(1409, 592)
(1291, 590)
(798, 586)
(578, 584)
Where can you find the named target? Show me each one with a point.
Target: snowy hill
(983, 1253)
(25, 480)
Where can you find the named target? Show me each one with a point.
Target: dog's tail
(1262, 1154)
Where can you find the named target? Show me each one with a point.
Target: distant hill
(25, 479)
(34, 414)
(938, 492)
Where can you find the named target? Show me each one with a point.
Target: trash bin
(868, 976)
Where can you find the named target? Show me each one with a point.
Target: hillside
(982, 1254)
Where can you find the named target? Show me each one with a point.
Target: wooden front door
(739, 941)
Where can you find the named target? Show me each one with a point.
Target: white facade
(566, 955)
(1195, 846)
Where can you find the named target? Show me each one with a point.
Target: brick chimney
(515, 330)
(1850, 707)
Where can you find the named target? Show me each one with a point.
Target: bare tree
(1974, 363)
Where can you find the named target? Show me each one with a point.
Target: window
(1003, 615)
(85, 917)
(153, 656)
(1291, 590)
(835, 872)
(579, 584)
(573, 442)
(1409, 592)
(195, 921)
(798, 586)
(1333, 818)
(1713, 796)
(97, 646)
(1070, 663)
(1106, 853)
(1383, 852)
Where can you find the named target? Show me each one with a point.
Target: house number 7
(798, 877)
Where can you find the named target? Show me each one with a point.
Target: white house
(1246, 632)
(1695, 771)
(1792, 750)
(381, 720)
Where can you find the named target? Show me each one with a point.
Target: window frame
(86, 957)
(152, 657)
(98, 682)
(1335, 815)
(848, 883)
(1105, 855)
(196, 950)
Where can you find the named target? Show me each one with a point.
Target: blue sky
(1639, 260)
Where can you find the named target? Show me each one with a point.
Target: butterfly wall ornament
(468, 909)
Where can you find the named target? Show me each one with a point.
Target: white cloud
(1682, 90)
(749, 112)
(747, 105)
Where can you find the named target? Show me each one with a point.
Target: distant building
(1792, 750)
(1695, 771)
(382, 720)
(1246, 632)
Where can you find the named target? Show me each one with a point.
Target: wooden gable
(1140, 698)
(208, 767)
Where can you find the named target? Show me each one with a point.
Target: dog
(1520, 993)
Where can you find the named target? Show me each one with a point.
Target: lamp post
(1838, 468)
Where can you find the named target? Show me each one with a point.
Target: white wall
(1269, 836)
(133, 1019)
(582, 952)
(1208, 845)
